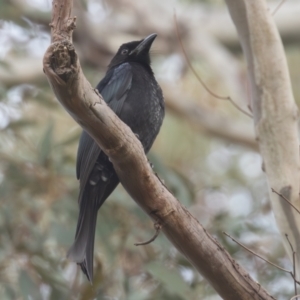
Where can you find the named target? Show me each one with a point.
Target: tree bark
(274, 110)
(86, 106)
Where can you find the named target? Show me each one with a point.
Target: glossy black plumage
(131, 91)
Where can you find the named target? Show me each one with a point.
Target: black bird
(131, 91)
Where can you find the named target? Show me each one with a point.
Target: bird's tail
(82, 250)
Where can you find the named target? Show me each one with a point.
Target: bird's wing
(97, 176)
(117, 87)
(114, 89)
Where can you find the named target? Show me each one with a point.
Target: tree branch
(207, 121)
(87, 107)
(274, 110)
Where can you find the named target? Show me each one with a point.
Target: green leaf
(171, 279)
(175, 182)
(28, 288)
(8, 294)
(62, 233)
(45, 146)
(70, 140)
(15, 125)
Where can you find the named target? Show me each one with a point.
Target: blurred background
(206, 153)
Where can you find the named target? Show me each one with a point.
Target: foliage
(220, 183)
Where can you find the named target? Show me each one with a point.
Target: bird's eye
(124, 51)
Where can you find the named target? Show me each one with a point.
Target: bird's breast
(143, 111)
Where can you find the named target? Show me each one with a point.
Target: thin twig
(162, 182)
(274, 265)
(293, 274)
(294, 271)
(277, 7)
(200, 79)
(284, 198)
(157, 227)
(294, 262)
(295, 297)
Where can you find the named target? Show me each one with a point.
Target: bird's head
(136, 51)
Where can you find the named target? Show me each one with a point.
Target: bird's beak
(145, 44)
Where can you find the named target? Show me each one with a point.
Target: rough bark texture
(275, 112)
(86, 106)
